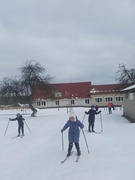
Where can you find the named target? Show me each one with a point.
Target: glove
(62, 131)
(85, 112)
(100, 111)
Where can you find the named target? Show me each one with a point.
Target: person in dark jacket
(74, 126)
(91, 119)
(20, 120)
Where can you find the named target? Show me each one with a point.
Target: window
(57, 103)
(58, 94)
(72, 102)
(119, 98)
(98, 100)
(87, 101)
(38, 103)
(43, 103)
(109, 99)
(131, 96)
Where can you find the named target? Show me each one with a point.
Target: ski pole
(62, 142)
(27, 126)
(83, 118)
(85, 141)
(6, 128)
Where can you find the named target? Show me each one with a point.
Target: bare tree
(31, 80)
(10, 89)
(126, 75)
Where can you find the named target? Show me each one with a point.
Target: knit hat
(18, 114)
(72, 114)
(92, 106)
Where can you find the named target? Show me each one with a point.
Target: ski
(15, 137)
(99, 132)
(18, 136)
(66, 158)
(96, 132)
(93, 132)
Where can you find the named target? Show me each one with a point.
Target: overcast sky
(75, 40)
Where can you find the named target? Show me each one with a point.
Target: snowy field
(38, 155)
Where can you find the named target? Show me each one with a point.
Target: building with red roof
(81, 94)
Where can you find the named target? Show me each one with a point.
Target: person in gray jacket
(74, 126)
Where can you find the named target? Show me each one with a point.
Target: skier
(73, 134)
(91, 119)
(109, 105)
(20, 120)
(113, 106)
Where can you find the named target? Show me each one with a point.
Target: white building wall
(129, 105)
(62, 103)
(79, 102)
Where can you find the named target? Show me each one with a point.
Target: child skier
(91, 119)
(20, 120)
(73, 134)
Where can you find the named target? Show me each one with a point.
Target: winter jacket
(109, 105)
(74, 131)
(20, 120)
(92, 114)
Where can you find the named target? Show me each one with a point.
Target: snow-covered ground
(38, 155)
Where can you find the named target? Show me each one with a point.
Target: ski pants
(71, 145)
(91, 124)
(21, 128)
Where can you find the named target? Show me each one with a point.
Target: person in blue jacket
(20, 120)
(74, 126)
(91, 119)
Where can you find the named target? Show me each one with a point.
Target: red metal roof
(107, 88)
(73, 90)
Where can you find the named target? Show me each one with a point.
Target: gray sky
(75, 40)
